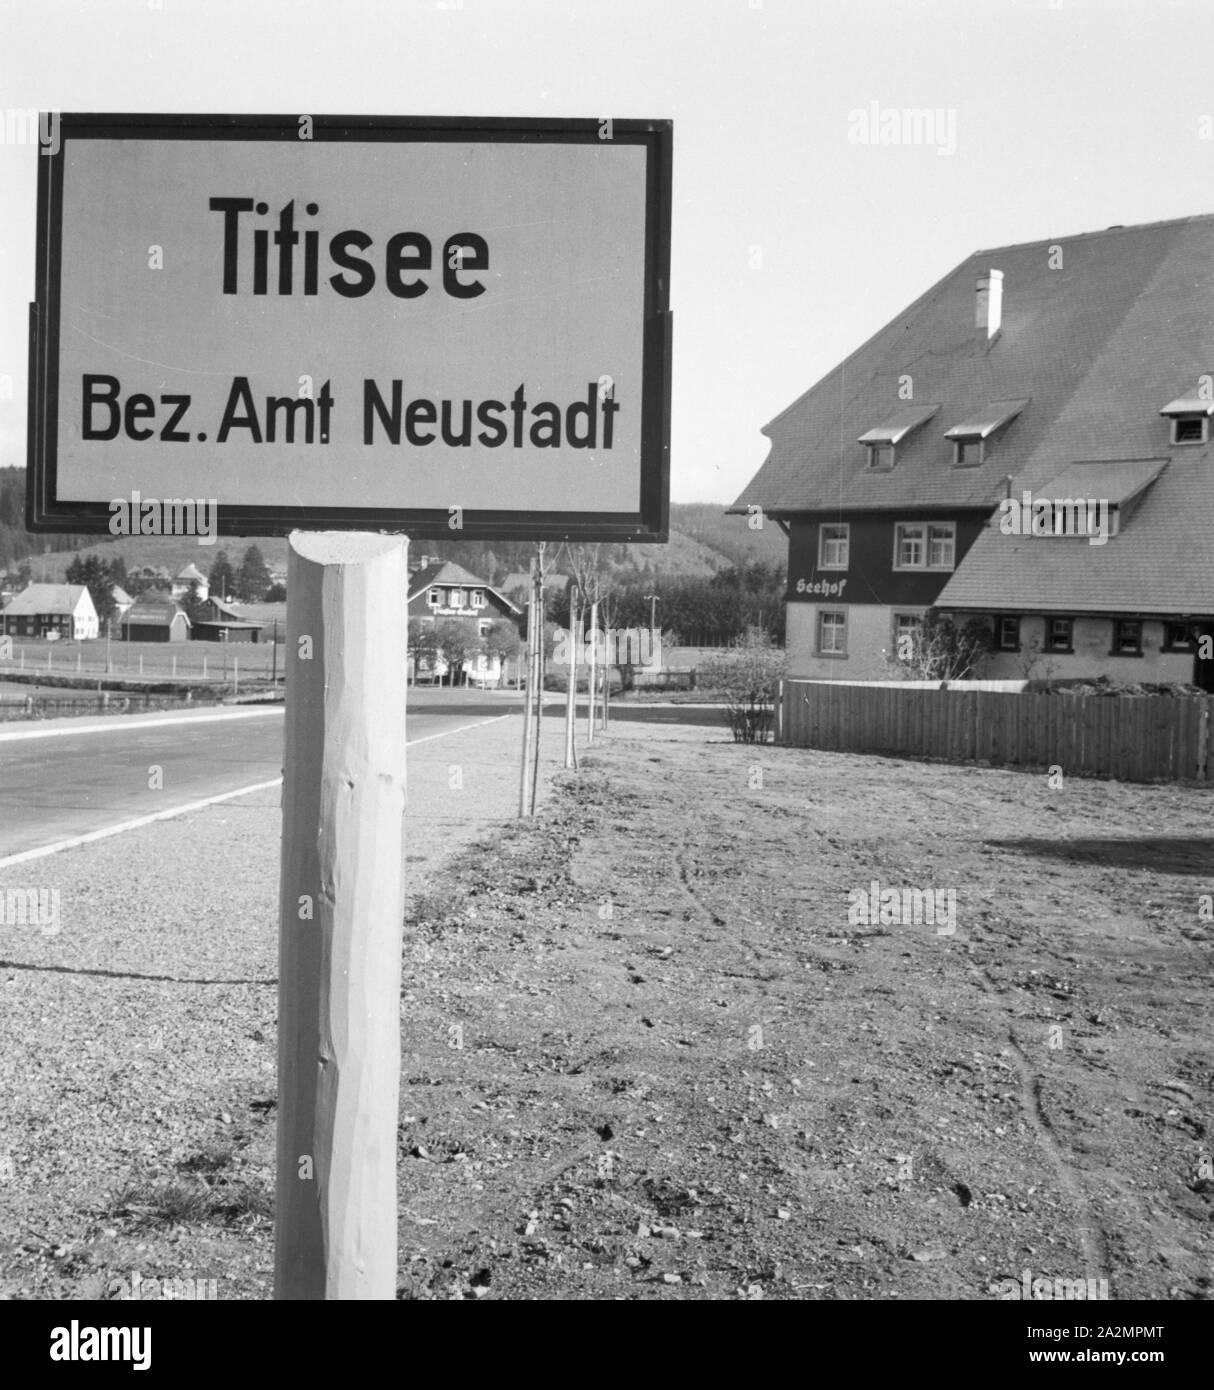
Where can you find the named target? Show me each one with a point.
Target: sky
(794, 238)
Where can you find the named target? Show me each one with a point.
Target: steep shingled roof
(153, 610)
(45, 598)
(448, 573)
(1097, 347)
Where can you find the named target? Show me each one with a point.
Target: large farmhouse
(51, 611)
(943, 464)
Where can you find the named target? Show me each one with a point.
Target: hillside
(703, 541)
(707, 523)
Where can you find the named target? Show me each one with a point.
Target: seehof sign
(450, 328)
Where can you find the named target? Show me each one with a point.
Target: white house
(51, 611)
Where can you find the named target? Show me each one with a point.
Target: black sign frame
(47, 514)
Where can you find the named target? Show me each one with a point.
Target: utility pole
(274, 657)
(653, 603)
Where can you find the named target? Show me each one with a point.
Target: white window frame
(899, 528)
(1204, 421)
(951, 528)
(478, 598)
(1000, 644)
(434, 598)
(457, 598)
(916, 617)
(823, 542)
(823, 614)
(925, 543)
(960, 448)
(1069, 649)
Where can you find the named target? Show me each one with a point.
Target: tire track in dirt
(1092, 1235)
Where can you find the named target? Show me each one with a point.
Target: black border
(45, 513)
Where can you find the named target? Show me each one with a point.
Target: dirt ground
(685, 1073)
(651, 1052)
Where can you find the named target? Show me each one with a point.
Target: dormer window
(969, 437)
(883, 440)
(1190, 416)
(1190, 429)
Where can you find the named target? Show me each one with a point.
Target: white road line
(76, 840)
(133, 824)
(479, 724)
(125, 723)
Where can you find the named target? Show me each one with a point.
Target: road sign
(452, 328)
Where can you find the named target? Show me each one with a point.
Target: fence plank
(1133, 738)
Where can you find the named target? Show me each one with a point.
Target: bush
(748, 676)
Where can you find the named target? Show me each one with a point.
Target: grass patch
(435, 913)
(189, 1202)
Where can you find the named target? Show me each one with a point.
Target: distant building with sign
(942, 466)
(154, 617)
(443, 591)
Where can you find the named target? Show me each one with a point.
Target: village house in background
(51, 611)
(122, 600)
(220, 622)
(154, 617)
(1078, 368)
(442, 590)
(190, 576)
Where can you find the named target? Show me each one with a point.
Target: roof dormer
(882, 441)
(970, 436)
(1190, 417)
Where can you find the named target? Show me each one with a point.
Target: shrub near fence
(1130, 738)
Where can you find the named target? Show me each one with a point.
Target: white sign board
(449, 328)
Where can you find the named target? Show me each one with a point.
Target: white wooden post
(341, 917)
(571, 691)
(204, 667)
(524, 799)
(593, 661)
(174, 665)
(539, 675)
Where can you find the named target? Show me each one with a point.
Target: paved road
(76, 780)
(70, 777)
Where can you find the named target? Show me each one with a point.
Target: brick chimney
(988, 306)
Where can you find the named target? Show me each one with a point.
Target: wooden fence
(1134, 738)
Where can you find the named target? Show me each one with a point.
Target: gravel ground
(137, 1043)
(648, 1053)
